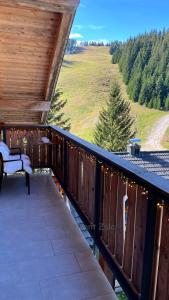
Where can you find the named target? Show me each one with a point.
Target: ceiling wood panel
(33, 35)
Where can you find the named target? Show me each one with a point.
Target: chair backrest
(4, 150)
(1, 165)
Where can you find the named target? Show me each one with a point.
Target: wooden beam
(60, 6)
(22, 105)
(61, 43)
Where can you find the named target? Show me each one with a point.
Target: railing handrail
(23, 126)
(140, 175)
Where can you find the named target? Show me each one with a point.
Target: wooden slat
(140, 227)
(21, 105)
(162, 292)
(92, 178)
(61, 6)
(113, 209)
(106, 207)
(119, 248)
(130, 230)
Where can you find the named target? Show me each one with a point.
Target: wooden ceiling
(33, 36)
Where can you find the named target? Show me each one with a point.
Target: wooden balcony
(124, 208)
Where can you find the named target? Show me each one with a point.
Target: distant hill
(144, 63)
(85, 80)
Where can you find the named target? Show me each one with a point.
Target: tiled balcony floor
(42, 252)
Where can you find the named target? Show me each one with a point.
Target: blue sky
(118, 19)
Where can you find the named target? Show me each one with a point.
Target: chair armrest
(4, 161)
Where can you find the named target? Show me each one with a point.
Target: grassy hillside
(165, 141)
(85, 80)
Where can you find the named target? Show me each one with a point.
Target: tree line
(73, 45)
(144, 63)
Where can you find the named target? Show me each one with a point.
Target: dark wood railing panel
(130, 211)
(139, 238)
(81, 179)
(123, 206)
(113, 212)
(162, 289)
(73, 171)
(119, 249)
(29, 140)
(57, 155)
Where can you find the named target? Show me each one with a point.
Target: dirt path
(157, 133)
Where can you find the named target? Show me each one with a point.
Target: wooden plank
(60, 6)
(130, 229)
(119, 245)
(140, 227)
(113, 213)
(92, 178)
(162, 292)
(106, 205)
(11, 38)
(21, 105)
(29, 31)
(156, 255)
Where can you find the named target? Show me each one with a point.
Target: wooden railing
(28, 138)
(124, 207)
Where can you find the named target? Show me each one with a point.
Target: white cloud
(79, 27)
(76, 36)
(96, 27)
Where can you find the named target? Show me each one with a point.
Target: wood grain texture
(162, 291)
(61, 42)
(28, 139)
(130, 230)
(21, 105)
(139, 238)
(119, 243)
(33, 36)
(61, 6)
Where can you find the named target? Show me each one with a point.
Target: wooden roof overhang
(33, 36)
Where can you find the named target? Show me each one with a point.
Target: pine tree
(115, 125)
(55, 116)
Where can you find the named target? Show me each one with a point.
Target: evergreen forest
(144, 63)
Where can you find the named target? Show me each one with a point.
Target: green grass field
(165, 141)
(85, 80)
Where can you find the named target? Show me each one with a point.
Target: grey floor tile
(48, 267)
(11, 291)
(71, 244)
(10, 252)
(76, 287)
